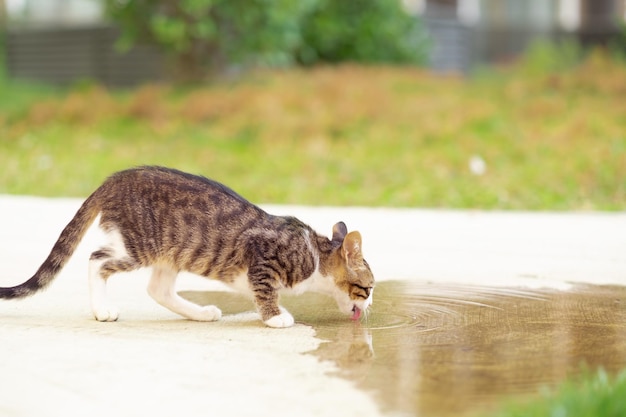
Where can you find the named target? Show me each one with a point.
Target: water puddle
(452, 350)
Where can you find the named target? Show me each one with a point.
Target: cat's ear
(351, 250)
(339, 232)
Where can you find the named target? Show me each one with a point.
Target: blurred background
(60, 41)
(487, 104)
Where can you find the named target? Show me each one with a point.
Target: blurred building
(64, 41)
(60, 41)
(465, 33)
(41, 13)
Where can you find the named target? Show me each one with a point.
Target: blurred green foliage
(592, 395)
(210, 34)
(361, 31)
(548, 57)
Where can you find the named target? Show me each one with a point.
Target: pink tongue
(357, 313)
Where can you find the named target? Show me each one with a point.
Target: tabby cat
(173, 221)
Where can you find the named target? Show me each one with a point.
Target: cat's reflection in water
(349, 347)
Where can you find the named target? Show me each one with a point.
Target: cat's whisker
(366, 315)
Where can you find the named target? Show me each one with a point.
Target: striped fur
(174, 221)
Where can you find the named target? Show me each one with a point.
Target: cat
(174, 221)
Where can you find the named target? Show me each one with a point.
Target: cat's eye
(364, 292)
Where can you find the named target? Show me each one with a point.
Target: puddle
(453, 350)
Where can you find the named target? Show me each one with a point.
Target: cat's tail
(59, 255)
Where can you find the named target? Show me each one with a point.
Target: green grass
(595, 395)
(348, 135)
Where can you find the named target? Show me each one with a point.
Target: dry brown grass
(360, 135)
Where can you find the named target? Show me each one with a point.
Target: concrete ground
(56, 360)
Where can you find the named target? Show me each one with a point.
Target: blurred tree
(203, 34)
(361, 31)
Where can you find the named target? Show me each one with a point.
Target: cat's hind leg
(102, 265)
(162, 289)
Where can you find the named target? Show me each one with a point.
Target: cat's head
(353, 281)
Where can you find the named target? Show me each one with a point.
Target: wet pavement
(453, 350)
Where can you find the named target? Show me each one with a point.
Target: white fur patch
(101, 306)
(369, 300)
(282, 320)
(103, 309)
(116, 244)
(316, 283)
(241, 284)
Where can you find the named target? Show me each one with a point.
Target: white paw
(106, 313)
(208, 313)
(284, 319)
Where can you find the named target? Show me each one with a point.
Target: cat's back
(154, 182)
(166, 179)
(164, 192)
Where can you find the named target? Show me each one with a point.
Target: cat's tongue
(356, 313)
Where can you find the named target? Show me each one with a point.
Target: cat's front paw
(282, 320)
(106, 313)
